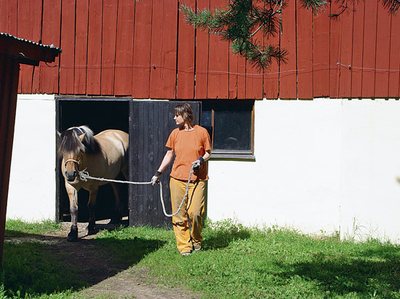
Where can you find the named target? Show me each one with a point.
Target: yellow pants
(194, 206)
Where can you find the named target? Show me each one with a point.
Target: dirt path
(108, 278)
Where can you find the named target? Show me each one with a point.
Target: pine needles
(247, 23)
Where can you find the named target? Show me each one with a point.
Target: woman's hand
(156, 178)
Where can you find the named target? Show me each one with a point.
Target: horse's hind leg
(73, 208)
(91, 229)
(116, 217)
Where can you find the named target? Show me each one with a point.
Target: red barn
(308, 164)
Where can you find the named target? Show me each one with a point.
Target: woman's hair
(186, 111)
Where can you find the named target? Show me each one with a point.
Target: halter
(72, 160)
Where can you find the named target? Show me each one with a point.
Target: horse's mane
(70, 141)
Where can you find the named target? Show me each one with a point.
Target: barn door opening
(150, 124)
(98, 114)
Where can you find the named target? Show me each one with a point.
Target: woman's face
(179, 119)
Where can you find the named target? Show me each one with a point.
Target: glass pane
(206, 121)
(232, 122)
(232, 129)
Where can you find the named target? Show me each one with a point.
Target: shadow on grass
(372, 273)
(36, 264)
(222, 238)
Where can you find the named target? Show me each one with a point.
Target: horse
(104, 155)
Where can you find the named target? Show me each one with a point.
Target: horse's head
(71, 149)
(74, 144)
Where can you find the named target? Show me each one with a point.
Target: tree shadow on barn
(42, 264)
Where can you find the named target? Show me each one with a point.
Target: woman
(191, 146)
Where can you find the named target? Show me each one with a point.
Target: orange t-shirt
(188, 147)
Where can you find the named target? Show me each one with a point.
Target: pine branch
(242, 20)
(391, 5)
(239, 23)
(315, 5)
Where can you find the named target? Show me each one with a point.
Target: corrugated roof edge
(30, 42)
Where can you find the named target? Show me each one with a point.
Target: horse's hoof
(73, 235)
(91, 231)
(91, 228)
(71, 239)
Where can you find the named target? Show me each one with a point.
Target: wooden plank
(124, 48)
(29, 27)
(4, 101)
(271, 74)
(254, 82)
(237, 76)
(334, 55)
(369, 57)
(164, 50)
(394, 75)
(233, 65)
(50, 35)
(218, 62)
(321, 55)
(81, 70)
(304, 52)
(345, 58)
(108, 47)
(254, 74)
(94, 47)
(382, 53)
(8, 104)
(36, 71)
(8, 17)
(358, 49)
(288, 72)
(202, 52)
(141, 50)
(29, 20)
(241, 78)
(67, 58)
(186, 56)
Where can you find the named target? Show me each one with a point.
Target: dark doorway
(98, 114)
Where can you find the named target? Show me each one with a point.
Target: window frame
(221, 154)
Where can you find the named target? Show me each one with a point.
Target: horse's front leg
(73, 208)
(91, 229)
(117, 215)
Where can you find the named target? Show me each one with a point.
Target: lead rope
(84, 176)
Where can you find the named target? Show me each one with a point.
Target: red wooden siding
(144, 49)
(185, 66)
(304, 53)
(394, 60)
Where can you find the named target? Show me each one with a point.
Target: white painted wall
(32, 187)
(370, 193)
(325, 165)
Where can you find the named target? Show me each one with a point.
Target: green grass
(15, 228)
(235, 262)
(30, 269)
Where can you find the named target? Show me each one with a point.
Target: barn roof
(27, 52)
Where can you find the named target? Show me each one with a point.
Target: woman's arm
(207, 155)
(169, 155)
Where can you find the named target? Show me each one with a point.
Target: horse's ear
(82, 136)
(58, 138)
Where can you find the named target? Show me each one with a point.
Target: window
(231, 126)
